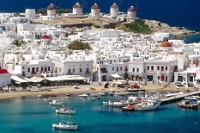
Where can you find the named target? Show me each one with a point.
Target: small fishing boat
(101, 93)
(55, 102)
(39, 96)
(147, 105)
(129, 107)
(65, 110)
(47, 99)
(187, 104)
(193, 98)
(116, 103)
(66, 125)
(53, 95)
(83, 95)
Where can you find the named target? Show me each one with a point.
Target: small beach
(63, 90)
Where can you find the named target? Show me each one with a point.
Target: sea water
(33, 115)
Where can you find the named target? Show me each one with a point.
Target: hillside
(137, 26)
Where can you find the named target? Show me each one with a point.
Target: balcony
(104, 71)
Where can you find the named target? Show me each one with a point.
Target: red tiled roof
(45, 37)
(3, 71)
(166, 44)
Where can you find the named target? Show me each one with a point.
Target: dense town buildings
(44, 53)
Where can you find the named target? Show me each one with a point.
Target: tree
(18, 43)
(77, 45)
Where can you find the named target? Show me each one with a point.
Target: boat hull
(72, 112)
(188, 106)
(149, 108)
(65, 127)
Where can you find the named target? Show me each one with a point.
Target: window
(69, 70)
(166, 68)
(158, 67)
(48, 68)
(28, 69)
(41, 69)
(80, 69)
(23, 67)
(162, 68)
(37, 69)
(113, 69)
(147, 67)
(121, 68)
(152, 68)
(137, 69)
(117, 69)
(73, 70)
(133, 69)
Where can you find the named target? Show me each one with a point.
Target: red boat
(53, 95)
(129, 107)
(187, 104)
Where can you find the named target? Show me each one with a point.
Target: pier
(178, 97)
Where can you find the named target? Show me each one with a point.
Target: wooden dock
(178, 97)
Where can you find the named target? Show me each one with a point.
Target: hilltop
(138, 26)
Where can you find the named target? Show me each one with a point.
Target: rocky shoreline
(157, 26)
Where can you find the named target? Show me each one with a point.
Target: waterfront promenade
(63, 90)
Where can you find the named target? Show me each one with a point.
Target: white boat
(192, 98)
(91, 98)
(117, 103)
(66, 125)
(47, 99)
(101, 94)
(39, 96)
(66, 110)
(55, 102)
(146, 106)
(121, 93)
(83, 95)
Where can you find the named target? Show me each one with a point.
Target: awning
(18, 80)
(35, 79)
(197, 77)
(115, 75)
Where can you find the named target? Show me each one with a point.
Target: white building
(5, 78)
(114, 10)
(131, 13)
(136, 68)
(74, 67)
(160, 70)
(95, 10)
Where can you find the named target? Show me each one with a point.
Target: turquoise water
(23, 115)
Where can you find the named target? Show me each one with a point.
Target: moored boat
(116, 103)
(187, 104)
(65, 110)
(55, 102)
(66, 125)
(147, 106)
(47, 99)
(83, 95)
(129, 107)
